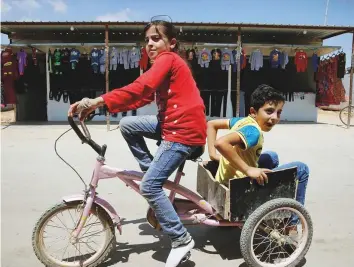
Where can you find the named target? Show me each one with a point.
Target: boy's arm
(225, 146)
(212, 130)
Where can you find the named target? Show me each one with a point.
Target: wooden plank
(246, 197)
(213, 192)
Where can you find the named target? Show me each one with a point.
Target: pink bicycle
(88, 231)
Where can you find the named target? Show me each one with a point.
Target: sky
(312, 12)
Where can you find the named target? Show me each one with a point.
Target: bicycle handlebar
(86, 137)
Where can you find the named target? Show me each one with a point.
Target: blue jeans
(270, 160)
(169, 156)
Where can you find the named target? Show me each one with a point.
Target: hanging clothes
(284, 59)
(144, 59)
(256, 60)
(301, 61)
(9, 74)
(34, 56)
(124, 58)
(95, 58)
(22, 61)
(315, 61)
(50, 66)
(57, 55)
(134, 58)
(183, 53)
(226, 59)
(330, 89)
(274, 58)
(65, 60)
(114, 58)
(341, 65)
(74, 58)
(102, 61)
(204, 58)
(243, 58)
(2, 96)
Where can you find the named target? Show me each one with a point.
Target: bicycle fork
(88, 201)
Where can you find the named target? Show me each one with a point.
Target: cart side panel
(246, 197)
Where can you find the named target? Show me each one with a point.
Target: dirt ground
(33, 179)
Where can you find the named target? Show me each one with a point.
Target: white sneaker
(178, 253)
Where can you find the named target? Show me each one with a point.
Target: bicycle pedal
(186, 257)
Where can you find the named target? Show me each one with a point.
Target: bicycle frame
(133, 179)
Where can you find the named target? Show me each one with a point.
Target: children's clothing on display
(301, 61)
(134, 57)
(102, 61)
(9, 74)
(95, 58)
(226, 59)
(204, 58)
(22, 61)
(57, 62)
(274, 58)
(74, 58)
(114, 57)
(124, 58)
(315, 61)
(144, 59)
(34, 56)
(256, 60)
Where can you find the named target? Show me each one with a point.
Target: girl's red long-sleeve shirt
(181, 109)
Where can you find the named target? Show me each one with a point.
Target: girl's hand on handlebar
(85, 107)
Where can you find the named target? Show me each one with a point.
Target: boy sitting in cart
(241, 147)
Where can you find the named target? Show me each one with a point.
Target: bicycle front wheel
(52, 242)
(343, 115)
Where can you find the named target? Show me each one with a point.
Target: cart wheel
(278, 233)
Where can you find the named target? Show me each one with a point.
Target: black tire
(343, 117)
(97, 210)
(255, 218)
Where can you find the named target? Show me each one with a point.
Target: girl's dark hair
(167, 29)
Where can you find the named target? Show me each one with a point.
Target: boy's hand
(258, 174)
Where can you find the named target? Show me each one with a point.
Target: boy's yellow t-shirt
(252, 137)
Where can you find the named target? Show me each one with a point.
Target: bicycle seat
(196, 153)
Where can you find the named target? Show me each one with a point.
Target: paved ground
(34, 178)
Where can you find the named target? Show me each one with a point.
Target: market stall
(228, 61)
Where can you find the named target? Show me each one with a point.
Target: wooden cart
(242, 197)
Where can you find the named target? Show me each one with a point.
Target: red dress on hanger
(9, 74)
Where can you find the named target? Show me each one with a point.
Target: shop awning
(93, 32)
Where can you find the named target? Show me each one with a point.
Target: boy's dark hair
(263, 94)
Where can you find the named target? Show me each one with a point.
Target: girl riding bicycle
(180, 125)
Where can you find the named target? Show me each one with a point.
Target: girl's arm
(141, 91)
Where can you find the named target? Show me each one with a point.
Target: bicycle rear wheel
(270, 239)
(86, 250)
(343, 115)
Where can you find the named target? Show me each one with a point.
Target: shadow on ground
(209, 240)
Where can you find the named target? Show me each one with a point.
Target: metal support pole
(47, 72)
(351, 85)
(107, 74)
(238, 82)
